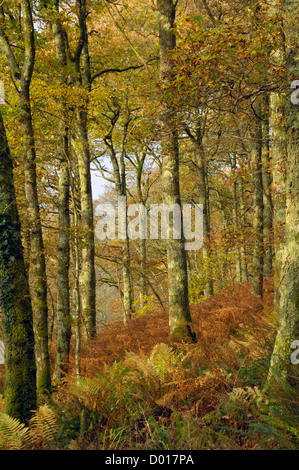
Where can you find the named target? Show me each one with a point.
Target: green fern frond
(14, 435)
(165, 361)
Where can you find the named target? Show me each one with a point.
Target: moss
(183, 333)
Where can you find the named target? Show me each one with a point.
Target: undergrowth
(162, 395)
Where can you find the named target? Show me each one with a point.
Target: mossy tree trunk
(277, 114)
(15, 300)
(87, 279)
(284, 372)
(179, 311)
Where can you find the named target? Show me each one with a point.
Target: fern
(165, 361)
(43, 427)
(13, 434)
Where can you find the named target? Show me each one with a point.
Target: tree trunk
(236, 221)
(257, 179)
(284, 371)
(37, 259)
(244, 269)
(279, 162)
(15, 301)
(23, 76)
(87, 270)
(203, 194)
(119, 177)
(179, 312)
(87, 279)
(267, 183)
(63, 296)
(279, 158)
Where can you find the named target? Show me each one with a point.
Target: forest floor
(215, 320)
(151, 393)
(140, 390)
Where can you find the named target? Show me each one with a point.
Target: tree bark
(87, 279)
(179, 312)
(236, 221)
(203, 195)
(119, 177)
(267, 195)
(63, 294)
(22, 76)
(257, 179)
(15, 301)
(284, 371)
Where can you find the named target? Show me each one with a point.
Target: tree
(283, 371)
(258, 207)
(179, 312)
(63, 294)
(119, 178)
(15, 300)
(22, 75)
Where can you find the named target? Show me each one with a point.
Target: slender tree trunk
(279, 158)
(37, 259)
(87, 269)
(203, 194)
(128, 298)
(119, 177)
(15, 301)
(257, 179)
(236, 222)
(63, 297)
(244, 269)
(142, 200)
(76, 297)
(179, 312)
(76, 276)
(143, 283)
(267, 183)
